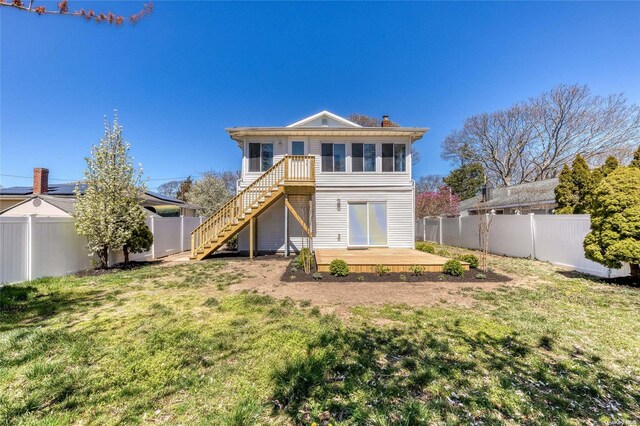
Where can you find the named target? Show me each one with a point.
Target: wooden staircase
(292, 174)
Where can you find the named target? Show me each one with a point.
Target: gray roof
(524, 195)
(66, 190)
(66, 204)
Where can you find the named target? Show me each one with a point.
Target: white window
(394, 157)
(260, 157)
(363, 157)
(297, 148)
(333, 157)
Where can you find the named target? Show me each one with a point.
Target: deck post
(251, 237)
(286, 226)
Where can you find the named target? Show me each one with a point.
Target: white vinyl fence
(553, 238)
(33, 247)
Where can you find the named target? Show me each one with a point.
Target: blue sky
(181, 76)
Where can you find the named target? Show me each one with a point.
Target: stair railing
(292, 168)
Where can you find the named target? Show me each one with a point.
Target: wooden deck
(398, 259)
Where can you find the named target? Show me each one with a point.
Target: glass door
(367, 224)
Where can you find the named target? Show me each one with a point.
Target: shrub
(443, 253)
(294, 269)
(481, 276)
(453, 268)
(403, 277)
(360, 278)
(304, 260)
(427, 248)
(470, 259)
(317, 276)
(339, 268)
(381, 270)
(416, 270)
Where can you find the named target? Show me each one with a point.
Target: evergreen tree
(615, 221)
(109, 212)
(636, 159)
(610, 164)
(583, 182)
(466, 180)
(566, 195)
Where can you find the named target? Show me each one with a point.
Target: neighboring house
(533, 197)
(323, 182)
(58, 199)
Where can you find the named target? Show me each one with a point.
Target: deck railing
(291, 170)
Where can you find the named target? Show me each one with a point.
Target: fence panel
(470, 235)
(166, 236)
(14, 249)
(33, 247)
(189, 224)
(558, 239)
(450, 231)
(510, 235)
(57, 248)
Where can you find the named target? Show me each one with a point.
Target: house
(532, 197)
(58, 199)
(321, 182)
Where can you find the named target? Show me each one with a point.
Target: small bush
(292, 277)
(443, 253)
(294, 269)
(427, 248)
(453, 268)
(416, 270)
(403, 277)
(360, 278)
(481, 276)
(470, 259)
(304, 260)
(317, 276)
(381, 270)
(339, 268)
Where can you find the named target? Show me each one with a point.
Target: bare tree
(532, 140)
(570, 121)
(428, 183)
(170, 189)
(89, 15)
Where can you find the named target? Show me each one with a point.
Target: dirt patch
(113, 269)
(264, 275)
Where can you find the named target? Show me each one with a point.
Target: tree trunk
(125, 250)
(635, 270)
(103, 257)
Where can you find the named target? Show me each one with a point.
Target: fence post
(439, 229)
(30, 245)
(533, 236)
(153, 246)
(424, 228)
(459, 231)
(181, 233)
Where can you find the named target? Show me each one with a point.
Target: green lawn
(175, 345)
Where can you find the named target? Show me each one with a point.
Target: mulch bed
(469, 276)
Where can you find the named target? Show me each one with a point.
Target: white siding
(270, 227)
(331, 222)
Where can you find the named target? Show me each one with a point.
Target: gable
(324, 119)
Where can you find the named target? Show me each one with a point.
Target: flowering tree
(109, 212)
(89, 15)
(439, 203)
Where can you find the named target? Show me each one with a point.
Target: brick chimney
(40, 180)
(385, 121)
